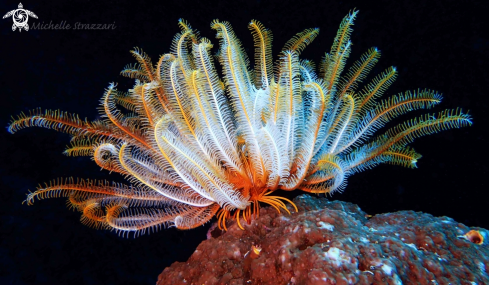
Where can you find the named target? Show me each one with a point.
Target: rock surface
(333, 242)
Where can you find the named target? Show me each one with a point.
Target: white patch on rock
(326, 226)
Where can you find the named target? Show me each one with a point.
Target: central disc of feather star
(195, 145)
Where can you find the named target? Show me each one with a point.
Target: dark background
(441, 45)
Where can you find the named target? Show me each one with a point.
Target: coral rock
(333, 242)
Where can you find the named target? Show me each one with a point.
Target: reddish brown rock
(332, 242)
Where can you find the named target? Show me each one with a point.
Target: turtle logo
(20, 17)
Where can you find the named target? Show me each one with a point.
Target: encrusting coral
(332, 242)
(196, 145)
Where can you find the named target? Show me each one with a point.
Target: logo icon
(20, 17)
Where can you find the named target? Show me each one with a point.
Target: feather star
(195, 145)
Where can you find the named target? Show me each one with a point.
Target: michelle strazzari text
(63, 25)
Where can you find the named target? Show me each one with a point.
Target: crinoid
(195, 145)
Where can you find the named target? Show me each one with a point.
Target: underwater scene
(251, 142)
